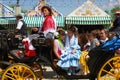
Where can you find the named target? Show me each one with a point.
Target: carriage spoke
(111, 66)
(27, 76)
(9, 77)
(23, 73)
(13, 74)
(18, 71)
(108, 72)
(9, 74)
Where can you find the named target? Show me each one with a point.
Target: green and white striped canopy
(37, 21)
(3, 21)
(88, 20)
(33, 21)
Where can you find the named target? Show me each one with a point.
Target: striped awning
(33, 21)
(3, 21)
(7, 20)
(88, 20)
(37, 21)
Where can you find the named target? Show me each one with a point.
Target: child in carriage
(58, 44)
(69, 59)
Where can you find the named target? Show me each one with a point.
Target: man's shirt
(19, 24)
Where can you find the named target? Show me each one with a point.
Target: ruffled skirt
(68, 59)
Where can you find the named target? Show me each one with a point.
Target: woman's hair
(73, 29)
(106, 31)
(83, 40)
(94, 33)
(48, 8)
(61, 32)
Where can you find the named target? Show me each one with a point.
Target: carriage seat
(19, 56)
(25, 55)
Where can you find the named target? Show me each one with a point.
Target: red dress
(49, 25)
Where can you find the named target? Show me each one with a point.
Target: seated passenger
(29, 51)
(58, 44)
(29, 48)
(94, 42)
(69, 60)
(103, 36)
(49, 24)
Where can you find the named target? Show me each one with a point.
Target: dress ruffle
(68, 59)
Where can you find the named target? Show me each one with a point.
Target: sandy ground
(49, 74)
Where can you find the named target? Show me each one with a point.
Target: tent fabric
(6, 11)
(33, 21)
(88, 20)
(37, 21)
(7, 20)
(33, 17)
(88, 9)
(36, 11)
(88, 14)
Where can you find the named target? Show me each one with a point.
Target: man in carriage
(21, 28)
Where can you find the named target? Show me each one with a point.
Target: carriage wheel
(110, 70)
(36, 67)
(18, 72)
(3, 66)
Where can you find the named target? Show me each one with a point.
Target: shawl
(49, 25)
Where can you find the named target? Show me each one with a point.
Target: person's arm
(97, 43)
(55, 49)
(19, 26)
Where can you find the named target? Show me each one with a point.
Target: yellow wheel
(3, 66)
(18, 71)
(36, 67)
(110, 70)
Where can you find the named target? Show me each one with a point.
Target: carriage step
(43, 69)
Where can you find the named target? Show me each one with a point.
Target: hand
(35, 38)
(73, 51)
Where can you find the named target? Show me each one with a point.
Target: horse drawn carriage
(103, 64)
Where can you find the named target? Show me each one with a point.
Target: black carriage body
(97, 58)
(3, 45)
(44, 49)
